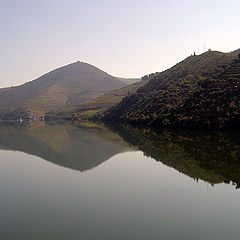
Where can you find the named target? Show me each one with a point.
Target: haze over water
(91, 182)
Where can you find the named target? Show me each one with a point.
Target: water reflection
(209, 156)
(130, 196)
(80, 148)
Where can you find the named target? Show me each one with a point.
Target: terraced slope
(233, 72)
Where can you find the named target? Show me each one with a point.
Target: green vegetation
(60, 89)
(97, 106)
(88, 113)
(200, 92)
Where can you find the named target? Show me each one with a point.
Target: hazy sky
(127, 38)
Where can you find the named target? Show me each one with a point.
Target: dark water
(89, 182)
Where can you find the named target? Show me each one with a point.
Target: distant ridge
(60, 88)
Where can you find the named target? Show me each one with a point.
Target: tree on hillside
(145, 78)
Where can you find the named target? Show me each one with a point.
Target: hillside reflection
(80, 148)
(209, 156)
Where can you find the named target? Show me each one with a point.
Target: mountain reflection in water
(209, 156)
(79, 148)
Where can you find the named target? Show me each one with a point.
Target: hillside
(236, 51)
(201, 91)
(96, 107)
(63, 87)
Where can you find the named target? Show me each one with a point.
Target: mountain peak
(63, 87)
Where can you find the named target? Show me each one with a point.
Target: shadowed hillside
(200, 92)
(236, 52)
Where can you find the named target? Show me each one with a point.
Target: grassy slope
(163, 100)
(101, 104)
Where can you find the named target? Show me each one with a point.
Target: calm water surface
(90, 182)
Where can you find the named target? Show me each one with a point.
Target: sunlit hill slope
(58, 89)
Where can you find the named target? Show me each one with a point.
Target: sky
(126, 38)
